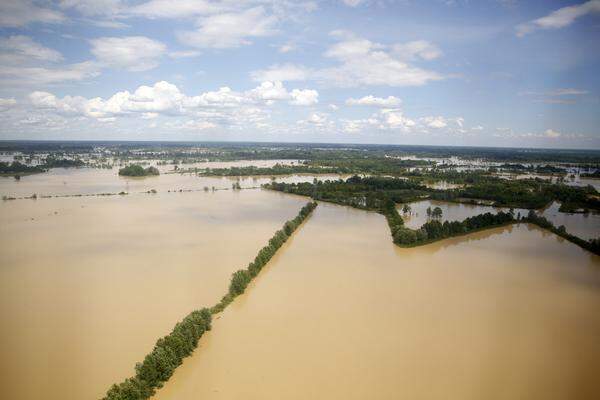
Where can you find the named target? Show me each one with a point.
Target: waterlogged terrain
(586, 226)
(89, 181)
(88, 284)
(342, 313)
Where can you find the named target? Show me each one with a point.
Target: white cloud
(281, 72)
(31, 76)
(435, 122)
(560, 18)
(227, 30)
(175, 9)
(93, 7)
(394, 118)
(22, 49)
(134, 53)
(417, 49)
(306, 97)
(366, 63)
(270, 91)
(360, 63)
(166, 99)
(477, 128)
(353, 3)
(390, 101)
(18, 13)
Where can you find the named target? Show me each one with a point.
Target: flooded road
(87, 285)
(342, 313)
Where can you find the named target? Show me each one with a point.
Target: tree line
(169, 351)
(138, 170)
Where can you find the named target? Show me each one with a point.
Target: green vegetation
(365, 193)
(382, 194)
(17, 168)
(169, 351)
(52, 162)
(168, 354)
(434, 230)
(138, 170)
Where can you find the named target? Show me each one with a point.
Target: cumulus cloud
(435, 122)
(133, 53)
(233, 29)
(560, 18)
(390, 101)
(166, 99)
(18, 13)
(307, 97)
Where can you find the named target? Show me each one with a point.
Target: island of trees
(138, 170)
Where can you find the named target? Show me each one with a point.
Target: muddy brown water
(87, 285)
(341, 313)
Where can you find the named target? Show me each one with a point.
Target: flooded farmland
(343, 313)
(87, 285)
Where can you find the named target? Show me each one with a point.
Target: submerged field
(343, 313)
(87, 285)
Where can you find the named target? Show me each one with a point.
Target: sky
(509, 73)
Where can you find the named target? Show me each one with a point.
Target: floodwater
(342, 313)
(586, 226)
(88, 181)
(87, 285)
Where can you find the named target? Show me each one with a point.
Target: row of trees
(169, 351)
(168, 354)
(592, 245)
(240, 279)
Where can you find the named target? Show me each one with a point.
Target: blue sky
(489, 72)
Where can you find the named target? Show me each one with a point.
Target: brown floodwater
(90, 181)
(342, 313)
(87, 285)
